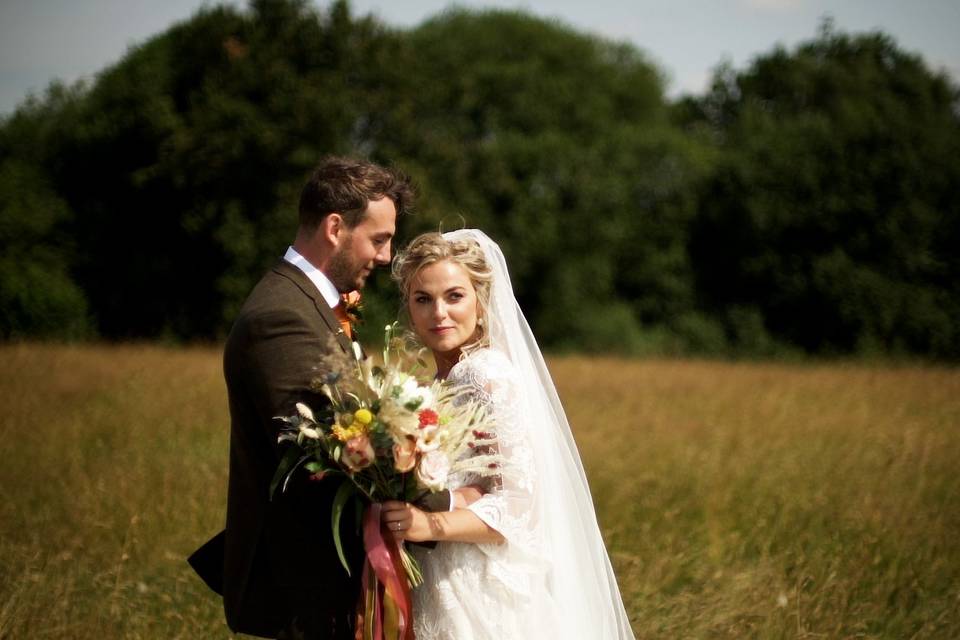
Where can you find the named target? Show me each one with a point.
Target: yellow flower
(344, 434)
(363, 416)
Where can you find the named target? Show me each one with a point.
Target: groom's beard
(345, 272)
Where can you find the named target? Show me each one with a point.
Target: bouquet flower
(387, 436)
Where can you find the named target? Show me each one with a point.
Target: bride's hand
(407, 522)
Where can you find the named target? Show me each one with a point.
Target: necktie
(347, 300)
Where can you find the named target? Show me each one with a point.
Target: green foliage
(38, 296)
(833, 210)
(806, 202)
(556, 144)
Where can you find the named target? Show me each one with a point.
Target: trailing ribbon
(385, 606)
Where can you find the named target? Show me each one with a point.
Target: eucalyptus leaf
(287, 464)
(294, 468)
(339, 502)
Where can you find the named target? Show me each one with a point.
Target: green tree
(184, 161)
(558, 145)
(833, 211)
(39, 296)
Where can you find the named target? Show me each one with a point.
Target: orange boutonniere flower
(353, 306)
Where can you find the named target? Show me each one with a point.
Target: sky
(46, 40)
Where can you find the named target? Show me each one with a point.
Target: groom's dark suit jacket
(279, 560)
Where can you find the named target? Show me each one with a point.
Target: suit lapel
(300, 279)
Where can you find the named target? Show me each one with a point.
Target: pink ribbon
(383, 565)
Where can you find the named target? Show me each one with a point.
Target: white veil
(580, 581)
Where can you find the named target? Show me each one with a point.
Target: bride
(520, 556)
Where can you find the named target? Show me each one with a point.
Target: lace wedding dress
(551, 579)
(486, 591)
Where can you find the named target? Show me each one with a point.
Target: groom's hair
(346, 186)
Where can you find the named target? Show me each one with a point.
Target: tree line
(805, 204)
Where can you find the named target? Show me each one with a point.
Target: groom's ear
(331, 229)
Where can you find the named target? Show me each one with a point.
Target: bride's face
(443, 307)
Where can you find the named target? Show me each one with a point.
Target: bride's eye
(456, 296)
(421, 299)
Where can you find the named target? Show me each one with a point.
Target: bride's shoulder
(482, 365)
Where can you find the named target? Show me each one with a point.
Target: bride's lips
(441, 329)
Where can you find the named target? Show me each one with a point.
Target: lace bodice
(488, 377)
(482, 590)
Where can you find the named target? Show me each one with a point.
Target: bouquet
(387, 436)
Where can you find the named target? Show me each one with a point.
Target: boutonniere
(353, 306)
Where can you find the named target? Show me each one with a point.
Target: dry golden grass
(770, 501)
(113, 469)
(738, 500)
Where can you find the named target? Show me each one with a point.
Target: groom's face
(364, 247)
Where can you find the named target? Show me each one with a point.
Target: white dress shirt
(317, 277)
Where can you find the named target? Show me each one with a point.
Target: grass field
(738, 500)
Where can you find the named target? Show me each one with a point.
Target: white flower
(309, 433)
(357, 352)
(305, 412)
(411, 392)
(399, 422)
(433, 470)
(427, 439)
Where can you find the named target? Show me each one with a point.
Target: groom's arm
(282, 361)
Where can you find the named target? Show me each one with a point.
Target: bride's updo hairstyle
(431, 248)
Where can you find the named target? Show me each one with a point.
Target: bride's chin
(447, 353)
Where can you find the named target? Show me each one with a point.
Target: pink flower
(433, 470)
(405, 454)
(357, 453)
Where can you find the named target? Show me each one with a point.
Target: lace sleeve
(508, 505)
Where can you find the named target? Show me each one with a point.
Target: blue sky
(43, 40)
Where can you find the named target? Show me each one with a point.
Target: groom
(281, 574)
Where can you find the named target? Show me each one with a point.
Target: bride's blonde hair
(431, 248)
